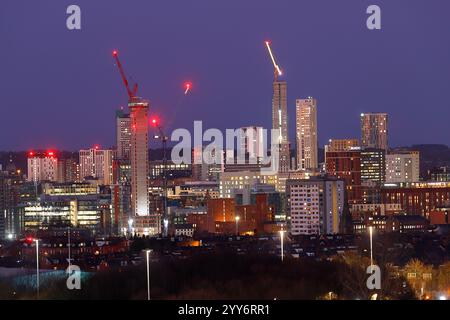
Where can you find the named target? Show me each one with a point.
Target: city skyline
(224, 150)
(84, 88)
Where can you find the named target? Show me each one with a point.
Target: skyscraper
(306, 133)
(280, 121)
(139, 156)
(374, 130)
(123, 135)
(141, 222)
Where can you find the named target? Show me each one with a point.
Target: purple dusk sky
(60, 88)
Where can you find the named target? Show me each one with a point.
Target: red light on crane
(187, 87)
(115, 53)
(154, 121)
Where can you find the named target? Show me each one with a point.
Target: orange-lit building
(221, 209)
(225, 217)
(439, 216)
(336, 145)
(252, 218)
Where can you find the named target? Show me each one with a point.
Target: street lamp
(37, 267)
(237, 218)
(68, 245)
(147, 254)
(371, 247)
(282, 244)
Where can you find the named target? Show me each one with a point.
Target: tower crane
(277, 71)
(131, 92)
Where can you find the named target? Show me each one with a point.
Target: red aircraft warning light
(154, 121)
(31, 153)
(187, 87)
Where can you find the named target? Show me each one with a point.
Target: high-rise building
(42, 166)
(315, 205)
(374, 130)
(280, 122)
(346, 165)
(123, 135)
(97, 163)
(145, 223)
(306, 133)
(373, 166)
(402, 166)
